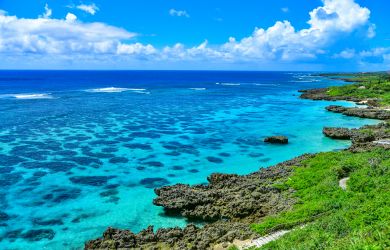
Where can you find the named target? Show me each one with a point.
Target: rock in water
(279, 139)
(337, 133)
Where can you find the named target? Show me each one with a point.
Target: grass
(373, 85)
(358, 218)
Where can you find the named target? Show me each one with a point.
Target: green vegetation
(358, 218)
(233, 247)
(370, 85)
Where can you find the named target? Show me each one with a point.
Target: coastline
(231, 203)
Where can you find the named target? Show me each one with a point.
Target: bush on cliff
(358, 218)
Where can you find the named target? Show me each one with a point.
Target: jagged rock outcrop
(228, 197)
(232, 202)
(337, 133)
(322, 94)
(190, 237)
(371, 113)
(279, 139)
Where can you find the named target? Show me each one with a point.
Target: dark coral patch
(249, 141)
(4, 217)
(135, 127)
(255, 155)
(111, 186)
(154, 182)
(193, 170)
(6, 170)
(39, 234)
(177, 168)
(62, 194)
(7, 138)
(66, 153)
(54, 166)
(124, 139)
(110, 192)
(91, 180)
(40, 174)
(81, 217)
(6, 160)
(85, 161)
(119, 160)
(102, 142)
(146, 135)
(224, 154)
(43, 222)
(214, 159)
(173, 153)
(109, 150)
(113, 199)
(14, 234)
(79, 138)
(10, 179)
(156, 164)
(51, 145)
(265, 160)
(71, 145)
(138, 146)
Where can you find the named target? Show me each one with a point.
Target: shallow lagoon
(81, 151)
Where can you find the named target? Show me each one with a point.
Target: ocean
(83, 150)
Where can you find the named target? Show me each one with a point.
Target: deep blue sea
(83, 150)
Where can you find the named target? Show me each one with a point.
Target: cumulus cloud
(179, 13)
(136, 49)
(346, 54)
(48, 12)
(89, 8)
(371, 31)
(70, 17)
(283, 41)
(285, 9)
(374, 56)
(280, 42)
(45, 35)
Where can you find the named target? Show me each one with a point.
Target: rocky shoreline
(230, 203)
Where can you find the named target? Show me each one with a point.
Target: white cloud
(372, 59)
(89, 8)
(284, 42)
(375, 52)
(346, 54)
(58, 36)
(285, 9)
(278, 43)
(70, 17)
(371, 31)
(48, 12)
(179, 13)
(135, 49)
(338, 15)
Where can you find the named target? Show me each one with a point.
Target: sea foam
(229, 84)
(28, 96)
(114, 90)
(198, 89)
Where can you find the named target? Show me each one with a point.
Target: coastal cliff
(291, 194)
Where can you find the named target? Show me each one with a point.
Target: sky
(287, 35)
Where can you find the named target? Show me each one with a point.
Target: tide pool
(83, 150)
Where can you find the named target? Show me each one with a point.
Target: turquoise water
(81, 151)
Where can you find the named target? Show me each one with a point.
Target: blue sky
(334, 35)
